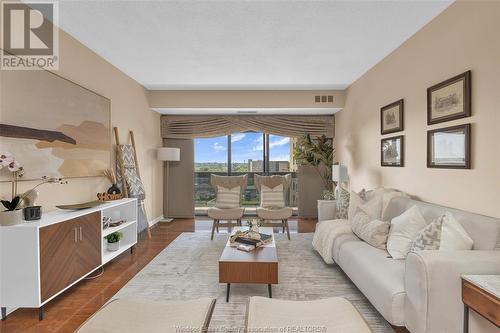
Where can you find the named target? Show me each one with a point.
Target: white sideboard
(41, 259)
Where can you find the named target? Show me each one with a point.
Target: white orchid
(5, 159)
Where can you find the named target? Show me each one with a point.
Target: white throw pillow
(404, 230)
(227, 198)
(272, 197)
(453, 235)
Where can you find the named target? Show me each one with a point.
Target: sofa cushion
(340, 240)
(326, 235)
(380, 278)
(453, 235)
(372, 231)
(484, 230)
(404, 231)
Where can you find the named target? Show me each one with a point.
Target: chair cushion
(272, 197)
(225, 214)
(380, 278)
(274, 214)
(330, 315)
(227, 198)
(130, 316)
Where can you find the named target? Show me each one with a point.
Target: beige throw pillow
(272, 197)
(453, 235)
(372, 231)
(404, 230)
(227, 198)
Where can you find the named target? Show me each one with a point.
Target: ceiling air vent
(323, 99)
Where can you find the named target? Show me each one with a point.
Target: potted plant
(317, 153)
(13, 213)
(113, 241)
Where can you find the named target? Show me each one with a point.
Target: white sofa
(422, 292)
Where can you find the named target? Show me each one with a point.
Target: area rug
(188, 269)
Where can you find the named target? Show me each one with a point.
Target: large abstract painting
(52, 126)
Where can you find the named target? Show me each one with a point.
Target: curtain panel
(189, 127)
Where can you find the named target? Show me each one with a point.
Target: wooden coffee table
(259, 266)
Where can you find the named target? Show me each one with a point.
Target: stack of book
(249, 240)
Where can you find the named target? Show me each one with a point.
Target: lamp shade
(168, 154)
(339, 173)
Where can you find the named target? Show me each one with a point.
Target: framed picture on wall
(391, 117)
(392, 151)
(449, 147)
(450, 99)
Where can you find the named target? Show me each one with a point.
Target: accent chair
(222, 210)
(267, 213)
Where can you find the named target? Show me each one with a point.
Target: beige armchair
(223, 213)
(270, 214)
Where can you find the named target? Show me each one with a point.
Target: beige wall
(129, 111)
(243, 98)
(463, 37)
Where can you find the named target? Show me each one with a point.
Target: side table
(481, 293)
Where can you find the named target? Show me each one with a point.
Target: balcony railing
(204, 195)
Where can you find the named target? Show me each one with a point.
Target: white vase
(11, 217)
(113, 246)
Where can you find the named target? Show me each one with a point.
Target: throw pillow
(342, 204)
(453, 235)
(373, 207)
(272, 197)
(429, 238)
(354, 201)
(227, 198)
(404, 229)
(374, 232)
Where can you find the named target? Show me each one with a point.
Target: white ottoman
(133, 316)
(326, 315)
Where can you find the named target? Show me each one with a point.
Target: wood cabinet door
(68, 251)
(58, 244)
(89, 243)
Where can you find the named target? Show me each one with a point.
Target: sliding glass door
(241, 153)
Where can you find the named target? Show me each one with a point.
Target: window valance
(187, 127)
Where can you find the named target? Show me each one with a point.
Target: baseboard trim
(155, 220)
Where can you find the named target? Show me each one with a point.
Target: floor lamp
(167, 154)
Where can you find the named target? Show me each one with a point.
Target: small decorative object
(328, 195)
(109, 197)
(113, 241)
(450, 99)
(32, 213)
(84, 205)
(13, 214)
(449, 147)
(114, 189)
(254, 225)
(392, 117)
(392, 151)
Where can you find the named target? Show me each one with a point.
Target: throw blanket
(325, 235)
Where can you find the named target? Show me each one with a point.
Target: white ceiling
(245, 44)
